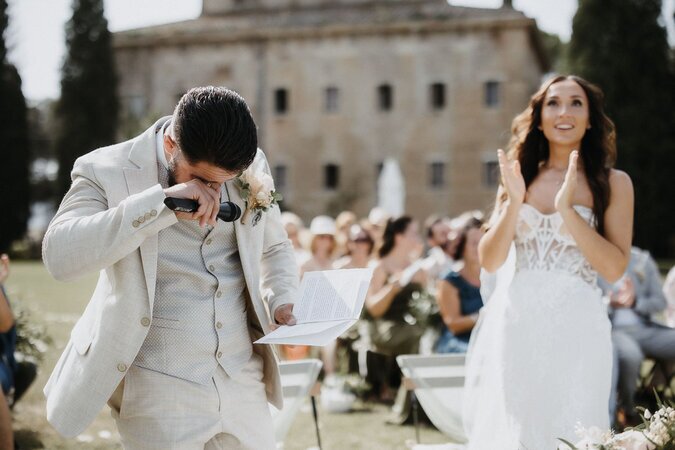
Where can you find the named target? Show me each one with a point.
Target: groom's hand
(283, 315)
(207, 196)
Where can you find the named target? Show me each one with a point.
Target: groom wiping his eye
(166, 339)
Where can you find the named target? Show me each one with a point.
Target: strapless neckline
(581, 207)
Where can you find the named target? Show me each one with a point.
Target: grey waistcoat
(199, 316)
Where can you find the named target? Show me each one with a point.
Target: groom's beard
(172, 172)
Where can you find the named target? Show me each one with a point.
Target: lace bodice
(543, 243)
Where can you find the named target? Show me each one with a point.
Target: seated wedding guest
(375, 223)
(669, 292)
(6, 359)
(458, 294)
(294, 226)
(359, 249)
(322, 229)
(437, 261)
(394, 330)
(634, 300)
(15, 376)
(343, 223)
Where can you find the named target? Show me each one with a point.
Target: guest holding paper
(458, 294)
(394, 329)
(388, 302)
(323, 246)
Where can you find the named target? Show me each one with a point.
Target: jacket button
(220, 354)
(153, 213)
(147, 216)
(141, 219)
(135, 223)
(122, 367)
(145, 321)
(208, 241)
(219, 294)
(211, 268)
(219, 325)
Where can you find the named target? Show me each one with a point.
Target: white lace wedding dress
(540, 359)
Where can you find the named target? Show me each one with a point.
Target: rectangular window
(385, 97)
(331, 176)
(331, 99)
(437, 175)
(280, 173)
(437, 96)
(281, 101)
(490, 173)
(492, 93)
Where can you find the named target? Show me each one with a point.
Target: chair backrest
(438, 382)
(298, 379)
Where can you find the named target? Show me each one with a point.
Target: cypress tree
(14, 180)
(87, 112)
(622, 46)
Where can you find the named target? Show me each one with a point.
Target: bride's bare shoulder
(620, 183)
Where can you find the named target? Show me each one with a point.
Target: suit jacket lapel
(143, 154)
(243, 234)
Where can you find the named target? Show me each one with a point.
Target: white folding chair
(298, 381)
(437, 382)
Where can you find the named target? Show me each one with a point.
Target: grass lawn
(58, 305)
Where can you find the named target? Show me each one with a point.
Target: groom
(166, 339)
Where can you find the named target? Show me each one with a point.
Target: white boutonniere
(257, 190)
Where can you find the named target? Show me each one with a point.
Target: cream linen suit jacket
(108, 222)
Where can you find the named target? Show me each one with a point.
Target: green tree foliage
(14, 183)
(555, 49)
(622, 46)
(87, 111)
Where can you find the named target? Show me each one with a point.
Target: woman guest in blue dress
(458, 294)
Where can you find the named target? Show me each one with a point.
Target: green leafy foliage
(14, 179)
(87, 112)
(622, 46)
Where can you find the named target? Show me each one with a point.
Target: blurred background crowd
(427, 291)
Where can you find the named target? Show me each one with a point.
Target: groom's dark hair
(214, 125)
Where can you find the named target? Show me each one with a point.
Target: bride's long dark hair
(598, 146)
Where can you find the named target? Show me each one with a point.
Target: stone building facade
(338, 86)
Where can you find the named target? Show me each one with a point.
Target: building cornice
(193, 35)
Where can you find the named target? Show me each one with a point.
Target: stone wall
(463, 135)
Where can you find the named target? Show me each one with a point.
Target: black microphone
(229, 212)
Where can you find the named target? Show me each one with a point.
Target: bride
(541, 360)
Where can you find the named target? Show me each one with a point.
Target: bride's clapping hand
(513, 180)
(565, 197)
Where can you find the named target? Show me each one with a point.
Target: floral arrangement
(257, 190)
(657, 432)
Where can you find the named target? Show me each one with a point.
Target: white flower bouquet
(657, 432)
(257, 190)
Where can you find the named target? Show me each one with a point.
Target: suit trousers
(632, 345)
(157, 411)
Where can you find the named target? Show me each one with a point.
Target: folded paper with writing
(330, 303)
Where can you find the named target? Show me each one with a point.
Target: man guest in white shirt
(166, 339)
